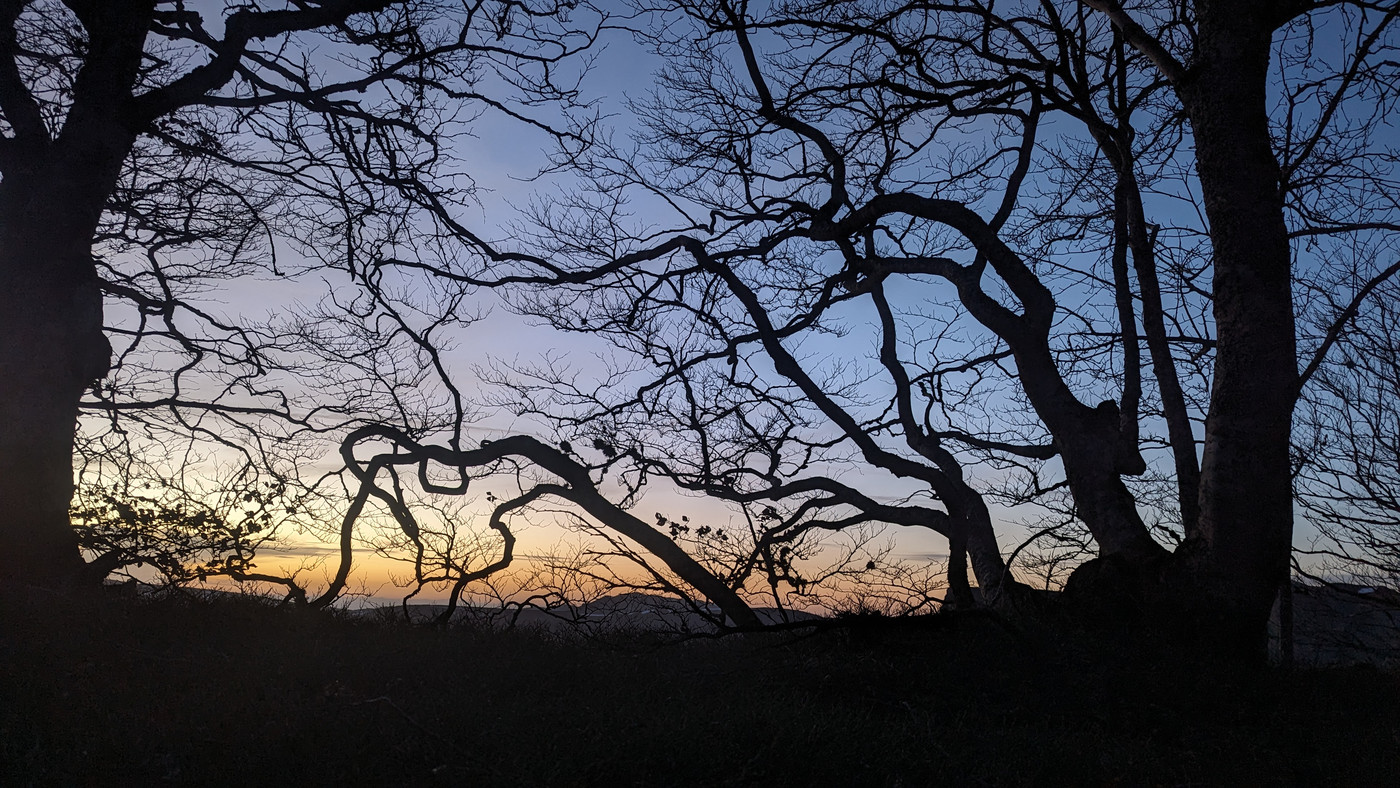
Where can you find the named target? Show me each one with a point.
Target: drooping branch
(578, 488)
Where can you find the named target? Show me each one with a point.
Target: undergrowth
(98, 690)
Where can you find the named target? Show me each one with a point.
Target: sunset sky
(503, 159)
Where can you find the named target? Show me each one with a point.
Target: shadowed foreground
(109, 691)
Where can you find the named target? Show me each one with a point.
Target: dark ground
(98, 691)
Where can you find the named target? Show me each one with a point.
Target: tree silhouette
(823, 156)
(1077, 236)
(1345, 451)
(572, 482)
(151, 150)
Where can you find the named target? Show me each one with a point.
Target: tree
(818, 153)
(1345, 452)
(136, 135)
(575, 484)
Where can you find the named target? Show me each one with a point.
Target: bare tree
(151, 150)
(823, 156)
(1345, 452)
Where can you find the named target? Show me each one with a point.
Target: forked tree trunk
(959, 593)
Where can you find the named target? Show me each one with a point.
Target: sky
(501, 157)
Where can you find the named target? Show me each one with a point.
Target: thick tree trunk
(52, 348)
(51, 341)
(1093, 449)
(1246, 514)
(52, 195)
(1095, 456)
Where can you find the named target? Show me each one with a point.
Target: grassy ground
(105, 691)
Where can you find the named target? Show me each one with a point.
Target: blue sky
(501, 157)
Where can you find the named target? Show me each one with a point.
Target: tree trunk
(1092, 447)
(979, 542)
(972, 540)
(1246, 514)
(53, 347)
(959, 594)
(51, 199)
(52, 194)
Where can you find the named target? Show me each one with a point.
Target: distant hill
(633, 610)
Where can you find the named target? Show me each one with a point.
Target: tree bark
(53, 342)
(1241, 553)
(1091, 445)
(52, 194)
(984, 554)
(53, 347)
